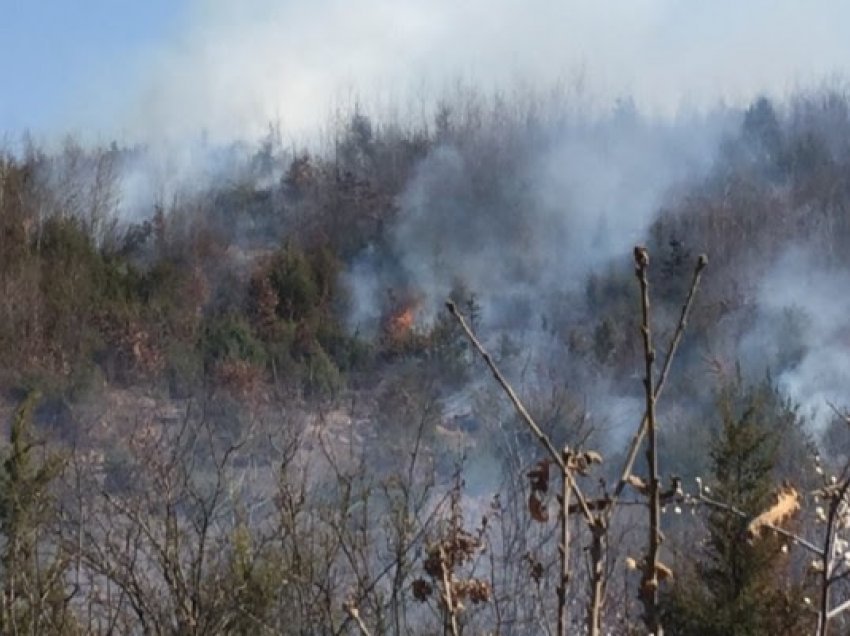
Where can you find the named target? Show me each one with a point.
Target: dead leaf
(786, 504)
(638, 484)
(539, 476)
(537, 508)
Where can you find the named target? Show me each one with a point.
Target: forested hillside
(235, 402)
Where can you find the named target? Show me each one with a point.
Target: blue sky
(62, 61)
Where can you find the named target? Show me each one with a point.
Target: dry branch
(638, 484)
(637, 440)
(564, 547)
(649, 583)
(794, 538)
(354, 614)
(571, 464)
(566, 463)
(450, 624)
(599, 535)
(826, 579)
(521, 410)
(662, 572)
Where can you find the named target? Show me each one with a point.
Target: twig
(564, 547)
(825, 575)
(649, 582)
(598, 525)
(522, 411)
(838, 609)
(838, 412)
(450, 623)
(808, 545)
(411, 543)
(518, 405)
(354, 614)
(637, 440)
(595, 524)
(599, 532)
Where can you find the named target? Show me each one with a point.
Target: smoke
(803, 331)
(231, 68)
(522, 216)
(520, 220)
(165, 173)
(236, 66)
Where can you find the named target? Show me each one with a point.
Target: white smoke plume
(234, 66)
(551, 212)
(228, 69)
(803, 332)
(581, 196)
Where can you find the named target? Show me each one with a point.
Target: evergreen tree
(738, 586)
(34, 595)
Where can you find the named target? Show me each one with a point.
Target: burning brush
(400, 320)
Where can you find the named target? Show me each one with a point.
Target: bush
(230, 338)
(184, 369)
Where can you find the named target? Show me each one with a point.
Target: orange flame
(401, 321)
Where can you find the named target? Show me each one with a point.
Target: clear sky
(166, 69)
(60, 60)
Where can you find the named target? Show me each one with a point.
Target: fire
(401, 321)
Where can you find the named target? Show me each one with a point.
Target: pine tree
(34, 599)
(737, 588)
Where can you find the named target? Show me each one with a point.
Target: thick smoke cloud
(239, 65)
(802, 332)
(580, 194)
(515, 225)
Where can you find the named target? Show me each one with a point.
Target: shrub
(230, 338)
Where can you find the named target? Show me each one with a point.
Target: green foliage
(72, 277)
(610, 296)
(738, 588)
(184, 368)
(321, 374)
(244, 279)
(296, 284)
(446, 346)
(762, 133)
(293, 302)
(744, 452)
(255, 577)
(230, 338)
(348, 352)
(33, 585)
(675, 264)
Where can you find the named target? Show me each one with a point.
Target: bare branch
(522, 411)
(795, 538)
(649, 583)
(637, 440)
(564, 547)
(354, 614)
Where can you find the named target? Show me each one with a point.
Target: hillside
(252, 413)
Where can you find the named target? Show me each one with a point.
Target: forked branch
(569, 486)
(649, 582)
(637, 440)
